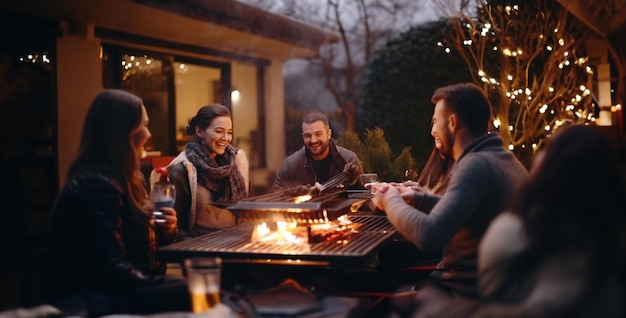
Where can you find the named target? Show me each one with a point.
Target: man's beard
(322, 148)
(446, 144)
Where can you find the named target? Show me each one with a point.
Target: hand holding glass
(163, 195)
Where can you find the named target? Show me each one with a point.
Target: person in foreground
(103, 240)
(209, 174)
(319, 160)
(561, 252)
(482, 184)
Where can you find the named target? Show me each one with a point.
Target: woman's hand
(165, 219)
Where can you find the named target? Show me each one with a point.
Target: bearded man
(483, 182)
(318, 160)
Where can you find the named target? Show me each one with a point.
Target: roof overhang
(604, 17)
(220, 25)
(249, 19)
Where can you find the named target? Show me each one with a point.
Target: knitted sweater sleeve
(431, 231)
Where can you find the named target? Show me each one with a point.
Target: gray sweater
(483, 183)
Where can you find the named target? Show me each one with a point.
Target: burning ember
(282, 233)
(294, 233)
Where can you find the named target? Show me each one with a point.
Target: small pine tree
(376, 156)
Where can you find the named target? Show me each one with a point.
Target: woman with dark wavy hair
(209, 174)
(103, 240)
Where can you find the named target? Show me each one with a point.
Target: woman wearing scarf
(209, 173)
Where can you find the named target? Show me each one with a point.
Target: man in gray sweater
(483, 183)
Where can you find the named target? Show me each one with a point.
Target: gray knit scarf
(220, 175)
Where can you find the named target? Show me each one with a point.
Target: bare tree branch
(529, 60)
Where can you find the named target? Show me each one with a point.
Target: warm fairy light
(563, 98)
(496, 123)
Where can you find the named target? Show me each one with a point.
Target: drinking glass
(368, 179)
(162, 195)
(203, 282)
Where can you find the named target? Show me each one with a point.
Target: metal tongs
(348, 176)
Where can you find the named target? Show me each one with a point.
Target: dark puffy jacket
(99, 242)
(297, 169)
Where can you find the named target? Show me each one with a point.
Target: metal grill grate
(234, 244)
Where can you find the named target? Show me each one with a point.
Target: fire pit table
(234, 245)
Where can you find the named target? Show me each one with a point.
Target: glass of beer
(203, 282)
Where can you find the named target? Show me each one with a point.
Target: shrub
(376, 155)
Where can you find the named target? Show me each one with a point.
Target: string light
(554, 51)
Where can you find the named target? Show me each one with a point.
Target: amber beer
(203, 299)
(203, 281)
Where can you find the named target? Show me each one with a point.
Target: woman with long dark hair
(103, 239)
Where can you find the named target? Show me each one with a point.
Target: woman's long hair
(105, 145)
(435, 174)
